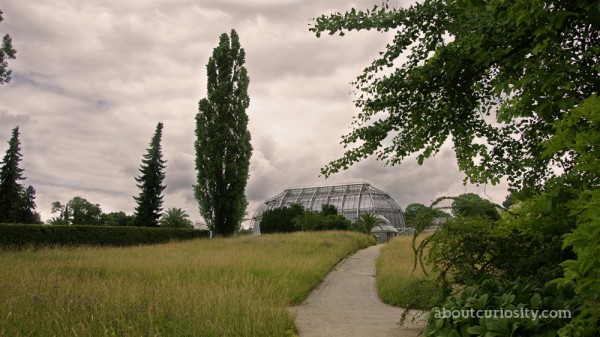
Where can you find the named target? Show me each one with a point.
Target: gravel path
(346, 304)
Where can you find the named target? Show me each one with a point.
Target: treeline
(17, 201)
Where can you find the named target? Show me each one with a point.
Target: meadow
(220, 287)
(398, 284)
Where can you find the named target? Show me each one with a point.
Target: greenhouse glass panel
(351, 200)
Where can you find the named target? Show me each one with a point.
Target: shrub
(36, 235)
(505, 308)
(280, 220)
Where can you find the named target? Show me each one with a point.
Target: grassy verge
(221, 287)
(398, 284)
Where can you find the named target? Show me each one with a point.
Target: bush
(513, 303)
(280, 220)
(36, 235)
(525, 243)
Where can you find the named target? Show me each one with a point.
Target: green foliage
(526, 242)
(223, 148)
(465, 248)
(327, 209)
(419, 217)
(78, 211)
(529, 63)
(175, 218)
(117, 219)
(583, 273)
(6, 52)
(17, 203)
(513, 303)
(366, 221)
(308, 221)
(334, 222)
(280, 220)
(150, 199)
(327, 219)
(35, 235)
(470, 204)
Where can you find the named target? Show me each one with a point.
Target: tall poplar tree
(223, 148)
(16, 202)
(150, 199)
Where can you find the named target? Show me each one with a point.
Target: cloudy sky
(93, 78)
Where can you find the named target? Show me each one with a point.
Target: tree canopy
(491, 77)
(223, 148)
(6, 52)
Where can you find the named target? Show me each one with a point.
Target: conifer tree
(150, 199)
(17, 203)
(222, 145)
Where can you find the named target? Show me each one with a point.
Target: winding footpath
(346, 304)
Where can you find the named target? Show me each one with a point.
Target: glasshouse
(351, 200)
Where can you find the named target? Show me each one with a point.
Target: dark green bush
(35, 235)
(280, 220)
(505, 308)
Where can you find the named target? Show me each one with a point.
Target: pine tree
(17, 203)
(150, 199)
(222, 144)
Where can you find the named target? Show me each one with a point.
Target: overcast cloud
(93, 78)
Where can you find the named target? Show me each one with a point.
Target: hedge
(17, 235)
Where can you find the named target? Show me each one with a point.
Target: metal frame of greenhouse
(351, 200)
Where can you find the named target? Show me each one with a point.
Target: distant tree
(175, 218)
(78, 211)
(223, 148)
(27, 213)
(6, 52)
(367, 221)
(334, 222)
(327, 209)
(64, 215)
(84, 212)
(280, 220)
(117, 219)
(150, 199)
(472, 205)
(309, 221)
(17, 204)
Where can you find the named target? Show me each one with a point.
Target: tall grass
(398, 284)
(221, 287)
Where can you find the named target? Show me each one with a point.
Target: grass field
(398, 284)
(221, 287)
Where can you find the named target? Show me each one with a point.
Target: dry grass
(221, 287)
(398, 284)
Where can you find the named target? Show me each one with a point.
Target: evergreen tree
(17, 203)
(222, 144)
(150, 199)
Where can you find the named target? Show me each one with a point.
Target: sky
(93, 78)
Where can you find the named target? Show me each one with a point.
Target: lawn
(398, 284)
(222, 287)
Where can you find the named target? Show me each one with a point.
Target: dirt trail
(346, 304)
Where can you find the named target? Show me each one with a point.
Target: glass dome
(351, 200)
